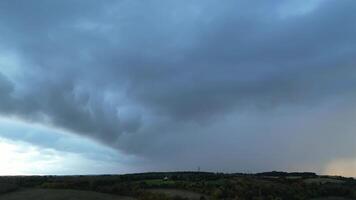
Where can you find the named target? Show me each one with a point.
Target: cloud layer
(187, 83)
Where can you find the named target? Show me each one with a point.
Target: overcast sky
(93, 87)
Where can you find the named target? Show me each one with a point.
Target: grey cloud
(60, 105)
(140, 76)
(6, 88)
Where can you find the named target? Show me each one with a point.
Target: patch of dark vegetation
(7, 187)
(268, 185)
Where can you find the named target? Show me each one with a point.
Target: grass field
(332, 198)
(322, 180)
(159, 182)
(181, 193)
(4, 188)
(47, 194)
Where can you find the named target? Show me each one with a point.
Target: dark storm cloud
(5, 91)
(145, 75)
(60, 105)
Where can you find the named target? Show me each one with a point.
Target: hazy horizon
(120, 86)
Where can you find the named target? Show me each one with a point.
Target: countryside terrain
(179, 186)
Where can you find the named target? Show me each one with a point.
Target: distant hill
(286, 174)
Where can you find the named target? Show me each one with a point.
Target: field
(48, 194)
(323, 180)
(331, 198)
(180, 186)
(6, 187)
(182, 193)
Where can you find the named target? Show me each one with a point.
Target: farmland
(180, 186)
(51, 194)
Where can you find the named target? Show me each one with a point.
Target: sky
(123, 86)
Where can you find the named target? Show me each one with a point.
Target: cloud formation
(189, 80)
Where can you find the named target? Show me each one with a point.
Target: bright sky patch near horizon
(99, 87)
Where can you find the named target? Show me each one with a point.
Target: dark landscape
(180, 186)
